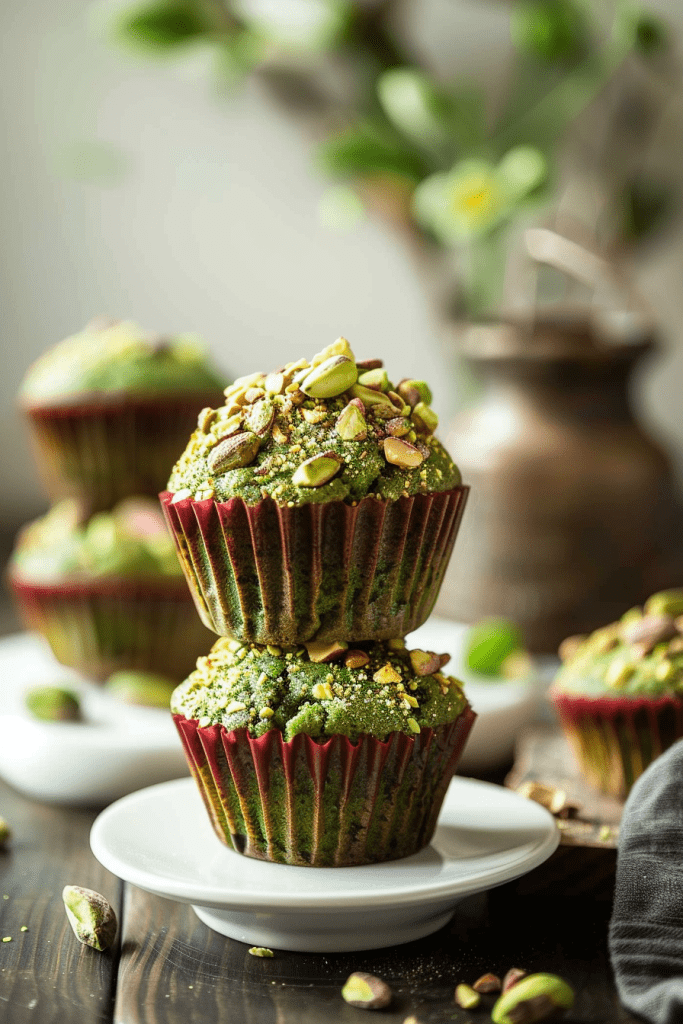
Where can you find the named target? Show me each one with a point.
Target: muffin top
(117, 357)
(325, 430)
(320, 690)
(130, 541)
(641, 655)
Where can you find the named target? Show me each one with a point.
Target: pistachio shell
(90, 915)
(53, 704)
(316, 471)
(351, 425)
(364, 990)
(425, 418)
(375, 379)
(401, 453)
(233, 452)
(259, 417)
(534, 998)
(330, 378)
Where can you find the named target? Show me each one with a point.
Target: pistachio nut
(5, 833)
(414, 391)
(259, 417)
(90, 915)
(550, 797)
(330, 378)
(664, 671)
(619, 672)
(466, 997)
(205, 419)
(402, 453)
(316, 471)
(425, 418)
(340, 347)
(514, 975)
(402, 407)
(369, 364)
(228, 427)
(675, 645)
(426, 663)
(253, 394)
(377, 379)
(243, 383)
(605, 638)
(650, 630)
(142, 688)
(571, 646)
(261, 951)
(356, 659)
(279, 435)
(387, 674)
(182, 495)
(397, 427)
(320, 651)
(535, 998)
(487, 983)
(374, 401)
(351, 425)
(666, 602)
(366, 991)
(274, 384)
(233, 452)
(53, 704)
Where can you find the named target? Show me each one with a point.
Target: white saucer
(503, 706)
(161, 840)
(116, 749)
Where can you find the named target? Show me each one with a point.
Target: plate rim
(203, 895)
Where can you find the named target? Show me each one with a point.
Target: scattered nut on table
(535, 998)
(366, 991)
(90, 915)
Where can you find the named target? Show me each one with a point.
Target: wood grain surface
(171, 969)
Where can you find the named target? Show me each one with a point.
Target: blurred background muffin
(109, 409)
(619, 692)
(107, 592)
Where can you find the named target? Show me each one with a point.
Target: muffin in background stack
(619, 692)
(314, 514)
(107, 592)
(109, 410)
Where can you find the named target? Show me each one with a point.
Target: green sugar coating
(640, 655)
(130, 541)
(114, 358)
(363, 441)
(261, 688)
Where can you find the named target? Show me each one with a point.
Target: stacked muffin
(314, 514)
(109, 409)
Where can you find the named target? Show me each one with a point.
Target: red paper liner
(615, 738)
(99, 627)
(101, 453)
(267, 573)
(323, 804)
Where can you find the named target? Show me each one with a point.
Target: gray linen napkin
(646, 930)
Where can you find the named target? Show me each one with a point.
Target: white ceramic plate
(161, 840)
(116, 749)
(503, 706)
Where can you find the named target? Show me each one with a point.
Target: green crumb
(7, 938)
(373, 689)
(312, 433)
(261, 951)
(23, 928)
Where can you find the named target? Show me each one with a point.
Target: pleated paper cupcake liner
(614, 739)
(323, 804)
(267, 573)
(100, 627)
(102, 453)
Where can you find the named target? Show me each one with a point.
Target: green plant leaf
(163, 25)
(554, 30)
(364, 149)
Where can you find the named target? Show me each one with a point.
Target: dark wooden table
(169, 968)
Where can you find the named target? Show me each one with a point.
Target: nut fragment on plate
(90, 915)
(366, 991)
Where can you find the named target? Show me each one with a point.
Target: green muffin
(322, 754)
(316, 503)
(107, 592)
(619, 692)
(109, 409)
